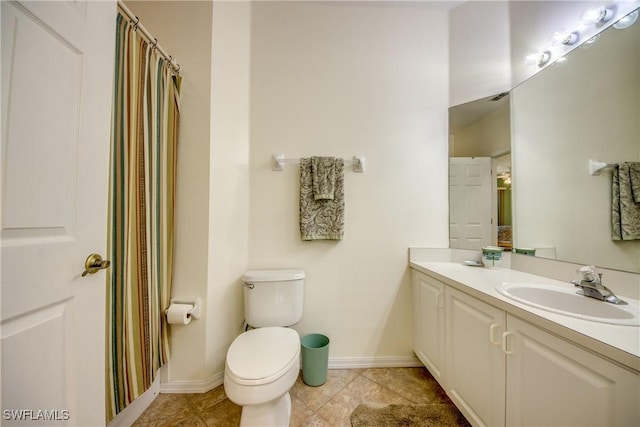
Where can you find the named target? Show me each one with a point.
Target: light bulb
(564, 37)
(597, 15)
(627, 21)
(538, 58)
(543, 58)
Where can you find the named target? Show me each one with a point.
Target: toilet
(263, 363)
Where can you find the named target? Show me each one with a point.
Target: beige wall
(229, 180)
(475, 70)
(340, 79)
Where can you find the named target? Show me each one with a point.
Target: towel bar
(595, 167)
(278, 161)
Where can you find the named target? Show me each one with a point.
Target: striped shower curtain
(141, 211)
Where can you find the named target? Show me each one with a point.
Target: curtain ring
(135, 24)
(178, 69)
(155, 43)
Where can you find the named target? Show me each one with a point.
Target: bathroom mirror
(585, 107)
(480, 174)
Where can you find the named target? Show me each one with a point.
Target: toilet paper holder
(195, 302)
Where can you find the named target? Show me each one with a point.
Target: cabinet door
(552, 382)
(475, 362)
(428, 315)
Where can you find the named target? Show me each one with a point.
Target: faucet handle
(588, 273)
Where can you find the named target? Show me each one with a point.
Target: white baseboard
(203, 386)
(130, 414)
(374, 362)
(192, 386)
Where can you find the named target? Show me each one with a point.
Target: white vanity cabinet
(553, 382)
(502, 371)
(474, 360)
(428, 314)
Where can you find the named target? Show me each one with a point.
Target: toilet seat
(262, 355)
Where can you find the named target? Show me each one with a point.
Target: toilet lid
(272, 275)
(262, 355)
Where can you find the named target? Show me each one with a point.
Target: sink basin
(565, 301)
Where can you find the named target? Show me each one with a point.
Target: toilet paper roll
(179, 314)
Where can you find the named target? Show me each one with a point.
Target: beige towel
(625, 212)
(321, 219)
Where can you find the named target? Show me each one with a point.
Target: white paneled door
(57, 77)
(470, 202)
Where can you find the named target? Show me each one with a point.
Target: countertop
(620, 344)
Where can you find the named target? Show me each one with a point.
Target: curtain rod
(136, 22)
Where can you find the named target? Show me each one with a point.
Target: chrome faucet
(591, 286)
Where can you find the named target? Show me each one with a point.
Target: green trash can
(315, 359)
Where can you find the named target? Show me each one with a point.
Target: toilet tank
(273, 297)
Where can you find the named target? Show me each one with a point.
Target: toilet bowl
(262, 365)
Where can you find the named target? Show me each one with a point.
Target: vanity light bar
(597, 17)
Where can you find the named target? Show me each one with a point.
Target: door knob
(94, 263)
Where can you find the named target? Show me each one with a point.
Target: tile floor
(329, 405)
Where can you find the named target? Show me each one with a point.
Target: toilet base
(276, 413)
